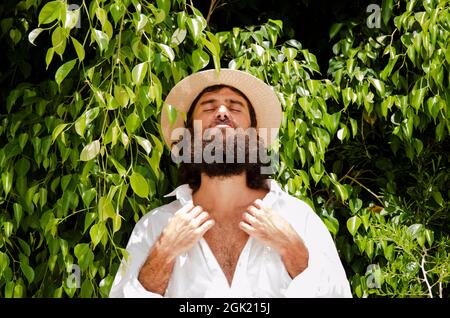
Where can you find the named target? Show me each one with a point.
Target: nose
(222, 112)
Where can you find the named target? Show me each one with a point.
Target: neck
(223, 196)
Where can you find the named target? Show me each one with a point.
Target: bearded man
(231, 231)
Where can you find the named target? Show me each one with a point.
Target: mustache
(226, 121)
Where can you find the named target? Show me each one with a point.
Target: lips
(223, 126)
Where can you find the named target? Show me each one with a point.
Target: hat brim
(262, 97)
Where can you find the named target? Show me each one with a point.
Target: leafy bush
(394, 82)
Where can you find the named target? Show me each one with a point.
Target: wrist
(295, 254)
(164, 251)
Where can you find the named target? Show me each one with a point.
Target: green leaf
(84, 255)
(342, 133)
(379, 85)
(440, 131)
(144, 143)
(59, 39)
(331, 223)
(49, 57)
(195, 27)
(417, 97)
(353, 224)
(132, 123)
(87, 196)
(355, 205)
(71, 18)
(63, 71)
(79, 49)
(4, 262)
(105, 208)
(139, 72)
(117, 223)
(164, 5)
(7, 179)
(178, 37)
(9, 288)
(8, 228)
(42, 197)
(19, 289)
(167, 51)
(34, 34)
(117, 11)
(27, 271)
(386, 10)
(58, 130)
(80, 125)
(200, 59)
(91, 114)
(139, 185)
(90, 151)
(120, 169)
(335, 29)
(429, 234)
(22, 167)
(88, 219)
(18, 213)
(332, 122)
(437, 196)
(142, 22)
(172, 113)
(102, 39)
(97, 232)
(121, 95)
(50, 12)
(354, 125)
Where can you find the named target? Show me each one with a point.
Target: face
(223, 108)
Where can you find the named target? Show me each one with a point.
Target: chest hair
(226, 241)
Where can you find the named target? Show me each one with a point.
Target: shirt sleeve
(325, 275)
(126, 283)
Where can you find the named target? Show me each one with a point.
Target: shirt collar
(184, 193)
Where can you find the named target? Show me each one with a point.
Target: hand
(274, 231)
(184, 229)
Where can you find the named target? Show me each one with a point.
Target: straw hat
(262, 97)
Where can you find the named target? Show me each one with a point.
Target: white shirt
(260, 271)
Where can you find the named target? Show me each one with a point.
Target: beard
(229, 153)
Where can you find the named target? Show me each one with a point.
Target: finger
(205, 227)
(250, 219)
(250, 230)
(186, 208)
(199, 220)
(195, 211)
(258, 204)
(254, 211)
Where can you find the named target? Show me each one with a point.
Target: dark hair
(190, 173)
(215, 88)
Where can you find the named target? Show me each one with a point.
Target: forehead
(224, 92)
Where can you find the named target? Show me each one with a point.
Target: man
(230, 232)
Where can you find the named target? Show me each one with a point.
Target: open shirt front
(260, 271)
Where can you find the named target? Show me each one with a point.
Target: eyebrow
(229, 100)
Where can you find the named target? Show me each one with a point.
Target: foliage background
(364, 139)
